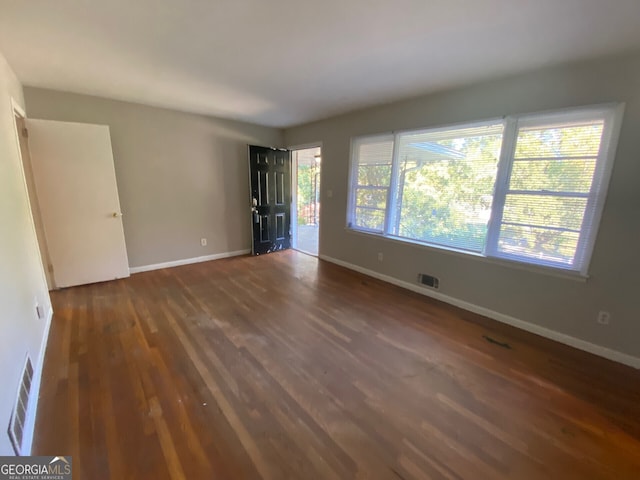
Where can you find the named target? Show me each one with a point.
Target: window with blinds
(445, 181)
(528, 188)
(371, 180)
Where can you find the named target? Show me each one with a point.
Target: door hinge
(25, 132)
(50, 268)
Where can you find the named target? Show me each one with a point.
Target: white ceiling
(285, 62)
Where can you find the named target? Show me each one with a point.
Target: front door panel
(270, 171)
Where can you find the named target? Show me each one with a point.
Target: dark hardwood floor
(286, 367)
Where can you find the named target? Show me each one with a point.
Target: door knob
(117, 214)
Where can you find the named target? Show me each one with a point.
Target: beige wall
(562, 305)
(181, 177)
(22, 282)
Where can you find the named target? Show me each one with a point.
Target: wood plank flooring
(286, 367)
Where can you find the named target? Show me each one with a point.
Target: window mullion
(392, 194)
(507, 153)
(353, 181)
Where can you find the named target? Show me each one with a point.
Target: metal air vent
(428, 280)
(19, 413)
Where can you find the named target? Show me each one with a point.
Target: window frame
(610, 113)
(354, 185)
(452, 127)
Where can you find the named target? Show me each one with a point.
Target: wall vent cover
(19, 413)
(428, 280)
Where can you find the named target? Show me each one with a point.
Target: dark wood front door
(270, 171)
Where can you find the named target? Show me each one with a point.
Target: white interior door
(76, 185)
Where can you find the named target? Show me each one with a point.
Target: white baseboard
(500, 317)
(34, 394)
(187, 261)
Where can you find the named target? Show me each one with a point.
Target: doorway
(34, 204)
(306, 168)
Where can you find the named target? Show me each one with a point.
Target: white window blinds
(444, 188)
(370, 182)
(551, 198)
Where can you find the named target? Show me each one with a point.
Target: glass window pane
(371, 197)
(372, 164)
(370, 219)
(554, 158)
(374, 175)
(545, 211)
(575, 140)
(545, 246)
(445, 185)
(553, 175)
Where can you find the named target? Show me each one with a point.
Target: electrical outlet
(380, 256)
(603, 317)
(203, 242)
